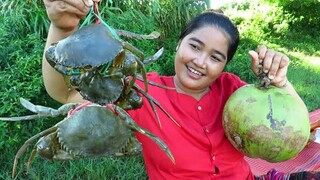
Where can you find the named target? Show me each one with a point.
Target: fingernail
(271, 76)
(89, 2)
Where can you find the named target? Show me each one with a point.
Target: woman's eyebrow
(197, 40)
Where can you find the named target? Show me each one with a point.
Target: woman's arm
(65, 16)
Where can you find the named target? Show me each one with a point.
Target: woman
(199, 146)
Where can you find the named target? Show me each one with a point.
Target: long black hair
(218, 19)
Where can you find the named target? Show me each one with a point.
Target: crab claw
(134, 126)
(152, 35)
(153, 57)
(41, 111)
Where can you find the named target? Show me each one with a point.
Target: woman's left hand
(273, 63)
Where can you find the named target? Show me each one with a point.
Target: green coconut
(266, 123)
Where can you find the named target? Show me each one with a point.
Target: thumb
(88, 3)
(254, 62)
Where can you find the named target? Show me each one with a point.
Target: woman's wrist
(61, 31)
(282, 84)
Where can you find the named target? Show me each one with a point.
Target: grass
(102, 168)
(305, 76)
(304, 70)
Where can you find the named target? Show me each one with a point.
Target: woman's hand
(66, 14)
(273, 63)
(314, 126)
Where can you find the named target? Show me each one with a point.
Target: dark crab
(97, 49)
(90, 131)
(103, 67)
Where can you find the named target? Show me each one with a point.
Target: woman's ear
(178, 45)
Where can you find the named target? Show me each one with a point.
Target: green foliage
(304, 74)
(304, 13)
(172, 16)
(25, 16)
(20, 76)
(260, 20)
(240, 64)
(20, 69)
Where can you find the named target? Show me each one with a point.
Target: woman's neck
(197, 94)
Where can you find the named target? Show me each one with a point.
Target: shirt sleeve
(230, 82)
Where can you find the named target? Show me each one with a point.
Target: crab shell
(100, 89)
(105, 89)
(95, 131)
(90, 46)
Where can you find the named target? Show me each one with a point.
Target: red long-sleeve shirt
(200, 147)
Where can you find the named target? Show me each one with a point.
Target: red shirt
(199, 146)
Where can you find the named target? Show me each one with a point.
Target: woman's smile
(193, 73)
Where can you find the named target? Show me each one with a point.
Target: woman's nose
(200, 60)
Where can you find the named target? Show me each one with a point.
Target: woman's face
(201, 57)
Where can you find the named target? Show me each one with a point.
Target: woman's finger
(275, 65)
(255, 64)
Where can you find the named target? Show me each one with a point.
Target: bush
(305, 13)
(20, 70)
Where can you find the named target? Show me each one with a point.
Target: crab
(89, 131)
(103, 68)
(97, 49)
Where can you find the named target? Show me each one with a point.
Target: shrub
(305, 13)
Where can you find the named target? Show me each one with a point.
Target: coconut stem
(264, 80)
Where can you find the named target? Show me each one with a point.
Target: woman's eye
(215, 58)
(194, 47)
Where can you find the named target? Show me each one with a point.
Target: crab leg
(143, 70)
(24, 147)
(153, 57)
(128, 34)
(41, 110)
(156, 84)
(129, 47)
(133, 125)
(152, 101)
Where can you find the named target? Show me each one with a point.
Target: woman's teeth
(194, 71)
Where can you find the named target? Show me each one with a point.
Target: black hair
(218, 19)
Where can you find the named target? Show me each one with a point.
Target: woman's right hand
(66, 14)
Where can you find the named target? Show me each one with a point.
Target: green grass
(304, 70)
(305, 77)
(103, 168)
